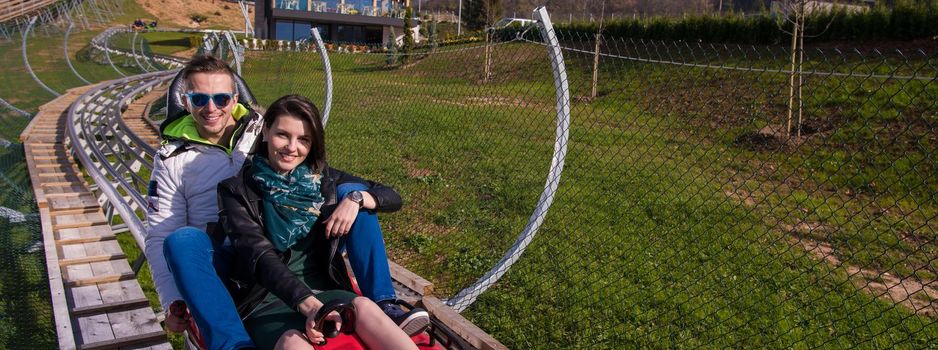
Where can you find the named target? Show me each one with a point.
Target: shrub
(906, 21)
(198, 18)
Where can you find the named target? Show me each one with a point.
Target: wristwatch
(356, 196)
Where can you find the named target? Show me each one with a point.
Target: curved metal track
(111, 153)
(29, 69)
(467, 296)
(133, 52)
(107, 51)
(327, 67)
(65, 50)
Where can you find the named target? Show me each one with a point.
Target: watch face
(356, 196)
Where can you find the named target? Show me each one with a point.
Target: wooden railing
(10, 9)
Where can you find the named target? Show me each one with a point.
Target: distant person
(153, 24)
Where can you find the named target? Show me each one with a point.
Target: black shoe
(413, 322)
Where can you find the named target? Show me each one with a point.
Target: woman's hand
(316, 337)
(345, 213)
(310, 307)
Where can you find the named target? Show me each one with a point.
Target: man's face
(212, 120)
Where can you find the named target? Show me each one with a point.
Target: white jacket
(182, 189)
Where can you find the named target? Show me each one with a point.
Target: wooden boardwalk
(97, 302)
(136, 116)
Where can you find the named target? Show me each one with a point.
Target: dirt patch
(187, 54)
(416, 172)
(490, 101)
(921, 297)
(176, 13)
(918, 296)
(741, 195)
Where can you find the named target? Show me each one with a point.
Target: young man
(200, 150)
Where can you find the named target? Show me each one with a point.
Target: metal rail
(95, 122)
(327, 68)
(65, 51)
(467, 296)
(29, 69)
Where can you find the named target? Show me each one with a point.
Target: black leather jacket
(258, 267)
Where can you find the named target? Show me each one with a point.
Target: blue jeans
(199, 266)
(365, 246)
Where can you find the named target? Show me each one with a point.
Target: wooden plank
(68, 241)
(410, 279)
(63, 324)
(122, 305)
(51, 195)
(460, 325)
(48, 184)
(146, 338)
(79, 282)
(126, 324)
(94, 329)
(130, 322)
(78, 220)
(90, 259)
(72, 209)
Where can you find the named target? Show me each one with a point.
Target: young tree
(794, 12)
(479, 14)
(599, 40)
(408, 31)
(492, 11)
(392, 55)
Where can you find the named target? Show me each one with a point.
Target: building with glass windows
(343, 21)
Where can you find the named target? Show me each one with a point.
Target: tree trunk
(599, 39)
(791, 81)
(800, 79)
(488, 58)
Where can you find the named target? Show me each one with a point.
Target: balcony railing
(384, 9)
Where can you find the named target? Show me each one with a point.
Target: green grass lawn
(643, 246)
(653, 239)
(26, 317)
(163, 43)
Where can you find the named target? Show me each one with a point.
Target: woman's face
(288, 142)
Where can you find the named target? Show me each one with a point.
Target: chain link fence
(706, 199)
(57, 57)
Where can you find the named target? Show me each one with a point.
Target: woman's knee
(186, 239)
(366, 309)
(293, 339)
(187, 236)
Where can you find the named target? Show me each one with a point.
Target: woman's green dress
(272, 317)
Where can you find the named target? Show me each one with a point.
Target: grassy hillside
(648, 242)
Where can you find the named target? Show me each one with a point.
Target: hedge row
(905, 21)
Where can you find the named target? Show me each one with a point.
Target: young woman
(285, 214)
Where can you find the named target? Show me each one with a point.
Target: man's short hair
(207, 64)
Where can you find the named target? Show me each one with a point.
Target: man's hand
(178, 317)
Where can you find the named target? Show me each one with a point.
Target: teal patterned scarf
(291, 202)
